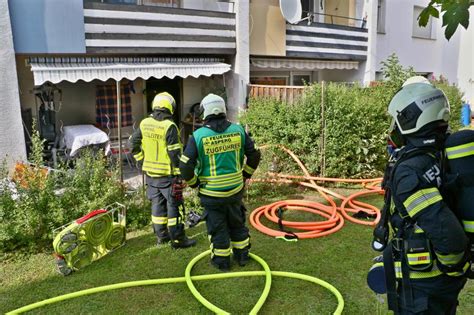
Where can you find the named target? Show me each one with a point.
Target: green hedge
(356, 124)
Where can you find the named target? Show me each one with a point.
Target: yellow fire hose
(82, 256)
(96, 231)
(116, 236)
(67, 241)
(189, 279)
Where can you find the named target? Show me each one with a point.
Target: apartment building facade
(193, 47)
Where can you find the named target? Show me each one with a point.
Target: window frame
(301, 73)
(381, 16)
(430, 25)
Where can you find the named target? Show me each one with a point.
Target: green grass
(341, 259)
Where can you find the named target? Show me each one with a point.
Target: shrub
(31, 210)
(346, 137)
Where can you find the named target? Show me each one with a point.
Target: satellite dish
(291, 10)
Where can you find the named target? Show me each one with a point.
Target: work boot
(242, 258)
(222, 265)
(163, 240)
(183, 243)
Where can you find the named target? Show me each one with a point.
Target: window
(301, 79)
(106, 105)
(422, 32)
(381, 17)
(269, 80)
(379, 76)
(121, 1)
(307, 6)
(161, 3)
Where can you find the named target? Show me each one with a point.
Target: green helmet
(416, 105)
(164, 100)
(213, 105)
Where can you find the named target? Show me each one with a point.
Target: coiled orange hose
(333, 213)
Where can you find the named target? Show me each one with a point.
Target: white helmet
(213, 105)
(416, 79)
(416, 105)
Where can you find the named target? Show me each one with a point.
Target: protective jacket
(434, 240)
(156, 144)
(427, 253)
(214, 158)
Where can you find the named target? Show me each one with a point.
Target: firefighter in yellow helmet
(157, 148)
(218, 159)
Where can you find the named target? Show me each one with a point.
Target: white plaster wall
(366, 74)
(236, 81)
(12, 140)
(192, 93)
(425, 55)
(465, 67)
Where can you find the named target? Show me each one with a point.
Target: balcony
(142, 29)
(327, 41)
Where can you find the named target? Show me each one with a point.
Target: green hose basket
(116, 237)
(96, 230)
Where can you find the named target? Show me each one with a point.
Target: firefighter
(214, 161)
(157, 148)
(426, 259)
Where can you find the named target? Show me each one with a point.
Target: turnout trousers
(434, 296)
(167, 214)
(225, 220)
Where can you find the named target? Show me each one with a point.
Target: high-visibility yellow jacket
(154, 153)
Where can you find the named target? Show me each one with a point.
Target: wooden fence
(288, 94)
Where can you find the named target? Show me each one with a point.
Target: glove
(177, 186)
(139, 164)
(195, 184)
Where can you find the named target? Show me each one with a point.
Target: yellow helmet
(164, 100)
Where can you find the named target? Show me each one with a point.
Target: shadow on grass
(138, 259)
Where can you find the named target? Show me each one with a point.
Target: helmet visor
(395, 138)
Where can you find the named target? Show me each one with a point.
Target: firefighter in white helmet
(218, 159)
(156, 145)
(426, 260)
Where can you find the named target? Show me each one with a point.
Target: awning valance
(302, 64)
(71, 69)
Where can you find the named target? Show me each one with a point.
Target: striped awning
(303, 64)
(73, 69)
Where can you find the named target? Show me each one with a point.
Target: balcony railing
(310, 39)
(143, 29)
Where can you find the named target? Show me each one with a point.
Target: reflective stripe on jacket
(221, 157)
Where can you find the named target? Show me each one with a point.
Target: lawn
(341, 259)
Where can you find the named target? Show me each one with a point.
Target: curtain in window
(106, 105)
